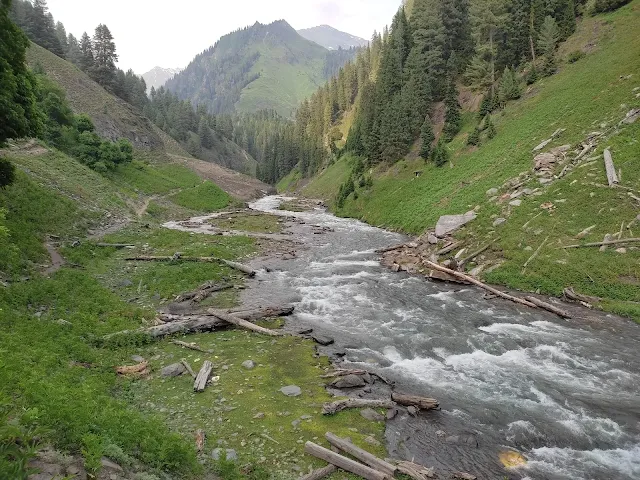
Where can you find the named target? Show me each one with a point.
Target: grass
(592, 94)
(148, 179)
(206, 197)
(290, 182)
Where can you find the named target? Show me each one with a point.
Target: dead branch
(549, 307)
(190, 346)
(535, 254)
(422, 403)
(339, 405)
(601, 244)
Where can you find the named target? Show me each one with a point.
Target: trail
(57, 262)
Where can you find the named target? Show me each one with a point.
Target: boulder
(372, 415)
(515, 203)
(249, 364)
(322, 340)
(544, 161)
(291, 391)
(348, 381)
(173, 370)
(432, 239)
(450, 223)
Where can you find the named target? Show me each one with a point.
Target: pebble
(499, 221)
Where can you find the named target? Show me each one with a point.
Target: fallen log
(339, 405)
(423, 403)
(341, 372)
(602, 244)
(415, 471)
(320, 473)
(390, 249)
(139, 369)
(360, 454)
(202, 293)
(260, 313)
(190, 346)
(200, 440)
(203, 377)
(188, 367)
(612, 176)
(468, 258)
(194, 324)
(115, 245)
(478, 283)
(549, 307)
(239, 322)
(535, 254)
(464, 476)
(177, 258)
(343, 462)
(571, 294)
(449, 248)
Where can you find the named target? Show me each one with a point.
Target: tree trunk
(203, 377)
(549, 307)
(423, 403)
(344, 462)
(239, 322)
(612, 176)
(362, 455)
(339, 405)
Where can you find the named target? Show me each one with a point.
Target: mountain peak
(331, 38)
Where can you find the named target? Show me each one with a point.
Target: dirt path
(57, 261)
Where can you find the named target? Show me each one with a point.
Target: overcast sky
(170, 33)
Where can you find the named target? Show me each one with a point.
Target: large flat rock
(450, 223)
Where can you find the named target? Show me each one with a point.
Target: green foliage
(509, 88)
(7, 173)
(427, 138)
(490, 127)
(601, 6)
(440, 153)
(474, 137)
(547, 42)
(206, 197)
(19, 439)
(453, 117)
(575, 56)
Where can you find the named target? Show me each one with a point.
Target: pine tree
(474, 138)
(61, 33)
(440, 154)
(86, 53)
(427, 137)
(42, 29)
(204, 133)
(548, 41)
(490, 128)
(105, 58)
(19, 116)
(509, 88)
(457, 25)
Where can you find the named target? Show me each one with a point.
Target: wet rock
(249, 364)
(450, 223)
(348, 381)
(491, 192)
(322, 340)
(372, 415)
(173, 370)
(465, 439)
(392, 413)
(230, 453)
(413, 411)
(305, 331)
(291, 391)
(499, 221)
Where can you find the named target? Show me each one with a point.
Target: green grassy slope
(594, 93)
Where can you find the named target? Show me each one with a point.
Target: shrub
(601, 6)
(7, 173)
(440, 154)
(474, 137)
(575, 56)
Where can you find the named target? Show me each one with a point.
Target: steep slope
(593, 94)
(332, 38)
(158, 76)
(256, 68)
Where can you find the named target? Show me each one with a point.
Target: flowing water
(564, 394)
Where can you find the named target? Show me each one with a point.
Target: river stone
(348, 381)
(372, 415)
(231, 454)
(173, 370)
(499, 221)
(305, 331)
(322, 340)
(291, 391)
(450, 223)
(249, 364)
(432, 239)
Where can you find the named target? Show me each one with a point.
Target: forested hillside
(262, 67)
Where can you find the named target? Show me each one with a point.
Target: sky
(169, 34)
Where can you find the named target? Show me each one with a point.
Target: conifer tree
(42, 29)
(204, 133)
(548, 41)
(440, 154)
(427, 137)
(61, 33)
(86, 53)
(509, 87)
(105, 58)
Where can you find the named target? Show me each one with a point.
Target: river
(564, 394)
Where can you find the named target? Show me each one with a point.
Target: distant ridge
(331, 38)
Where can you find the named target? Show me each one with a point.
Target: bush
(601, 6)
(7, 173)
(575, 56)
(440, 154)
(474, 137)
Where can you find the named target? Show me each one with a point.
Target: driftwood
(260, 313)
(201, 437)
(360, 454)
(339, 405)
(188, 367)
(449, 248)
(320, 473)
(468, 258)
(203, 377)
(390, 249)
(415, 471)
(484, 286)
(612, 176)
(571, 294)
(202, 293)
(190, 346)
(423, 403)
(343, 462)
(177, 258)
(115, 245)
(239, 322)
(602, 244)
(549, 307)
(464, 476)
(341, 372)
(535, 254)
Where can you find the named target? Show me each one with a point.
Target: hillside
(332, 38)
(519, 211)
(256, 68)
(158, 76)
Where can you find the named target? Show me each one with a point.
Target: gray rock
(632, 116)
(450, 223)
(249, 364)
(545, 181)
(392, 413)
(231, 454)
(499, 221)
(322, 340)
(413, 411)
(544, 161)
(296, 423)
(137, 358)
(108, 464)
(259, 416)
(528, 191)
(306, 417)
(432, 239)
(305, 331)
(515, 203)
(291, 391)
(125, 283)
(173, 370)
(441, 433)
(372, 415)
(491, 192)
(348, 381)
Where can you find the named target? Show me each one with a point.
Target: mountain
(158, 76)
(257, 68)
(331, 38)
